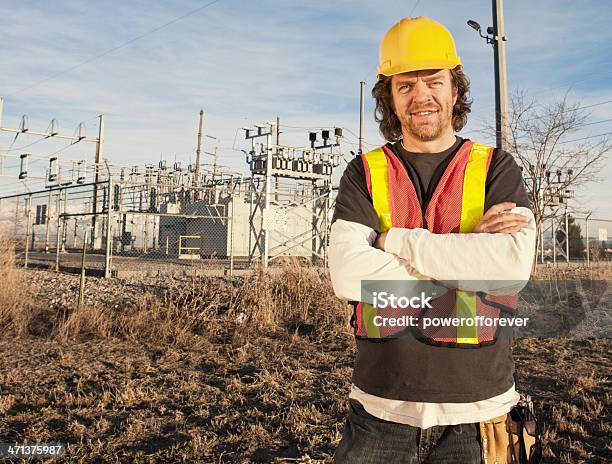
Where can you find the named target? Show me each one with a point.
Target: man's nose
(422, 92)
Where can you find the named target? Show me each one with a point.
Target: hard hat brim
(420, 66)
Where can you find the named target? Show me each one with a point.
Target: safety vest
(456, 206)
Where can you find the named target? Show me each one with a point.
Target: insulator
(24, 124)
(54, 127)
(81, 171)
(53, 169)
(23, 166)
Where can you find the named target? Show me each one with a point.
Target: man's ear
(455, 94)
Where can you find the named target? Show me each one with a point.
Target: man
(433, 206)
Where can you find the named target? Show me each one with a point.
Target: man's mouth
(423, 112)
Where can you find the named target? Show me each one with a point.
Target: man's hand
(380, 241)
(498, 219)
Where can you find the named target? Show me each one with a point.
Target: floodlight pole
(496, 37)
(361, 90)
(501, 84)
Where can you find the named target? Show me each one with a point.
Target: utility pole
(501, 85)
(361, 89)
(266, 212)
(276, 178)
(567, 251)
(28, 229)
(196, 171)
(94, 208)
(48, 222)
(15, 230)
(496, 37)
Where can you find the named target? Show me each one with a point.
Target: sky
(150, 66)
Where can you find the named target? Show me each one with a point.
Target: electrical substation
(151, 215)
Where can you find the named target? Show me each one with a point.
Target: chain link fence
(51, 228)
(589, 240)
(127, 228)
(133, 227)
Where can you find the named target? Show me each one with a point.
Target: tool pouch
(513, 438)
(495, 440)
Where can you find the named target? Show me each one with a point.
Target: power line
(303, 127)
(576, 127)
(571, 83)
(28, 145)
(590, 106)
(577, 108)
(584, 138)
(562, 112)
(593, 123)
(355, 135)
(322, 128)
(414, 7)
(111, 50)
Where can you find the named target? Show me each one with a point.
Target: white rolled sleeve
(475, 256)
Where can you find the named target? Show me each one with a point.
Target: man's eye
(436, 84)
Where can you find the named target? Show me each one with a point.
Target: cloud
(247, 62)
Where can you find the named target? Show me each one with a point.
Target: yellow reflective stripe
(377, 163)
(466, 309)
(379, 170)
(368, 312)
(472, 209)
(473, 199)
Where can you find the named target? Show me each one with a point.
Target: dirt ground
(224, 395)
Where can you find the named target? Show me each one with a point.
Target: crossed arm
(417, 254)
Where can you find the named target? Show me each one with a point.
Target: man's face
(424, 102)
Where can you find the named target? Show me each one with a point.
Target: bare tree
(553, 162)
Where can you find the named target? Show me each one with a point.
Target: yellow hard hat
(414, 44)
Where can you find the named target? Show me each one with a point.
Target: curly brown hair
(389, 124)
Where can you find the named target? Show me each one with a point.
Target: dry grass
(601, 270)
(298, 299)
(13, 318)
(255, 369)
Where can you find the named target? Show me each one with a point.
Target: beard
(429, 130)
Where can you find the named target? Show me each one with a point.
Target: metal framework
(310, 169)
(284, 206)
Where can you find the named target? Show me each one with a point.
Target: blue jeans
(369, 440)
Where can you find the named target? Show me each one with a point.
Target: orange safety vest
(456, 206)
